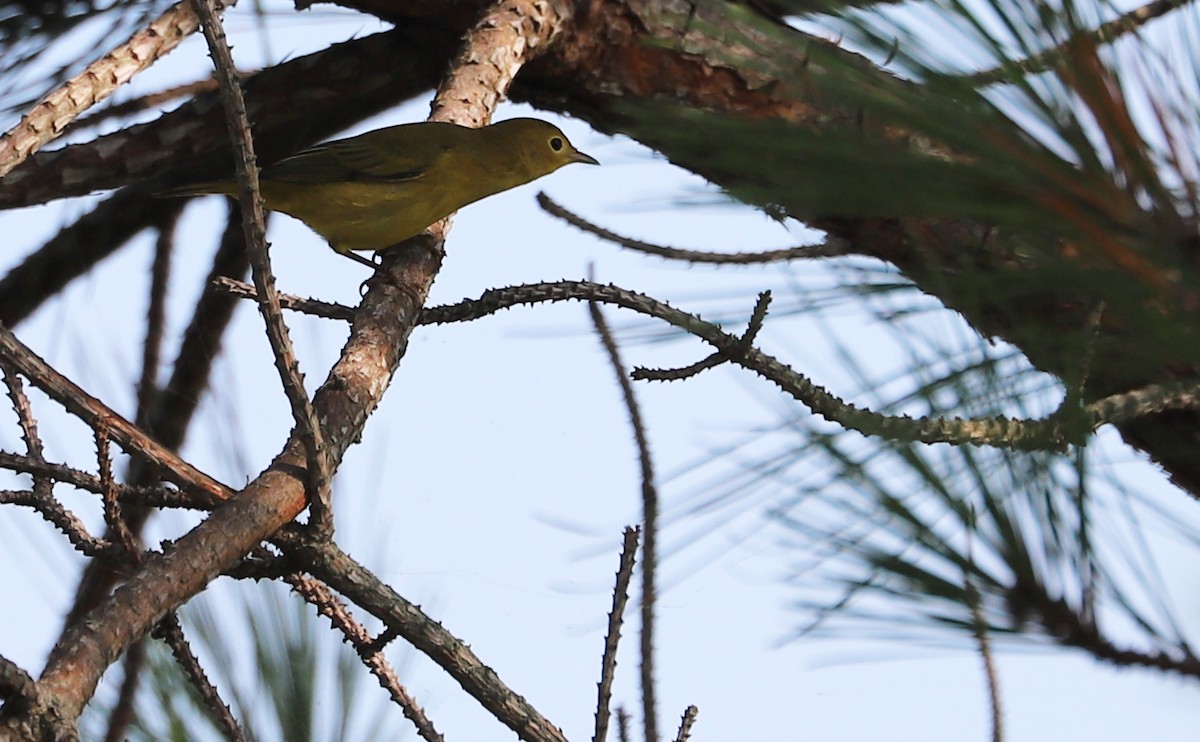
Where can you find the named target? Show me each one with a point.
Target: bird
(369, 192)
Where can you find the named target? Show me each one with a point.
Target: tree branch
(320, 470)
(56, 111)
(328, 563)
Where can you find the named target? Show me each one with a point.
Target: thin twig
(1001, 432)
(649, 521)
(64, 520)
(112, 506)
(386, 637)
(980, 630)
(686, 723)
(43, 487)
(757, 317)
(608, 662)
(622, 724)
(51, 116)
(91, 410)
(90, 483)
(25, 418)
(327, 562)
(832, 248)
(328, 605)
(254, 224)
(1105, 33)
(316, 308)
(170, 632)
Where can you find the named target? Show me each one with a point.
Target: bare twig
(649, 520)
(980, 630)
(254, 224)
(608, 663)
(623, 724)
(43, 488)
(169, 631)
(1001, 432)
(112, 507)
(161, 496)
(386, 637)
(716, 359)
(51, 116)
(328, 563)
(62, 519)
(328, 605)
(832, 248)
(91, 410)
(685, 724)
(328, 310)
(1105, 33)
(25, 418)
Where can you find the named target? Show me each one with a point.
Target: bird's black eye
(556, 144)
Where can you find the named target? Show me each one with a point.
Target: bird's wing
(352, 160)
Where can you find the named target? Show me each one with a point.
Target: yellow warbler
(377, 189)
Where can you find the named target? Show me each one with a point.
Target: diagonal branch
(327, 604)
(56, 111)
(328, 563)
(92, 412)
(171, 633)
(254, 225)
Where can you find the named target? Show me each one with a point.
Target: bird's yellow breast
(363, 216)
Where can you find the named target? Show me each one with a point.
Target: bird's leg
(360, 259)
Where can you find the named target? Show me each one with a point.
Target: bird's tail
(207, 188)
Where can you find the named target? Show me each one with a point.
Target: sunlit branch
(50, 117)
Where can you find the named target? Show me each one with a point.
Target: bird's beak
(578, 156)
